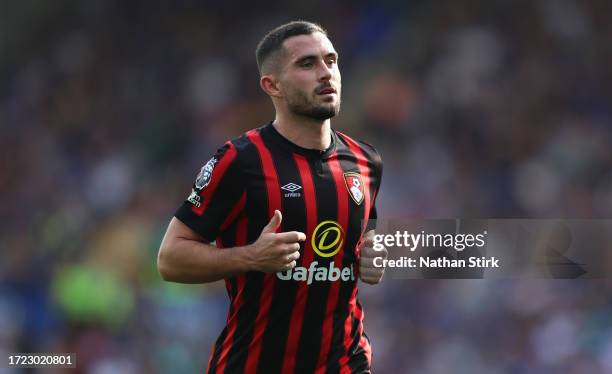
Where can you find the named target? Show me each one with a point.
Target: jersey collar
(287, 144)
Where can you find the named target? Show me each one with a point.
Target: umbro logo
(292, 189)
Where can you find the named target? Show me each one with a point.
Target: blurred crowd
(479, 108)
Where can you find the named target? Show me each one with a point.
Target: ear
(269, 85)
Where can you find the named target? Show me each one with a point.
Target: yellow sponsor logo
(327, 238)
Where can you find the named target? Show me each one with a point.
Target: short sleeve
(215, 192)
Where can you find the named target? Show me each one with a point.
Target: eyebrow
(312, 57)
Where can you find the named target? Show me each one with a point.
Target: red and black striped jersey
(307, 319)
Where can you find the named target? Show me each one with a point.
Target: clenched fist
(367, 271)
(274, 252)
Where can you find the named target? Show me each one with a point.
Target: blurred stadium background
(479, 108)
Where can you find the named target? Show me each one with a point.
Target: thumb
(274, 223)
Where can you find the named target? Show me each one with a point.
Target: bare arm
(185, 257)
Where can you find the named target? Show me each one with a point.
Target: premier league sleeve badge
(205, 174)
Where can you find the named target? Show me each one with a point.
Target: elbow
(163, 266)
(177, 261)
(171, 267)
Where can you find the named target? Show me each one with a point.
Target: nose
(325, 72)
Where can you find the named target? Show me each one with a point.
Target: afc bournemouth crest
(354, 184)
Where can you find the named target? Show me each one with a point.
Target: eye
(306, 64)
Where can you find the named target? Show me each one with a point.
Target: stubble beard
(301, 105)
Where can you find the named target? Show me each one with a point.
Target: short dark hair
(272, 43)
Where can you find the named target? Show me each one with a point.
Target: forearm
(191, 261)
(184, 257)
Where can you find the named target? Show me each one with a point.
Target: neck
(305, 132)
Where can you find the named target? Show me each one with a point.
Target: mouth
(326, 91)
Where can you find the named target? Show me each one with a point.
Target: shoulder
(367, 149)
(240, 147)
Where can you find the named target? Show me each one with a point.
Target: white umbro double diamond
(291, 187)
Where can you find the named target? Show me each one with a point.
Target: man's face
(310, 79)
